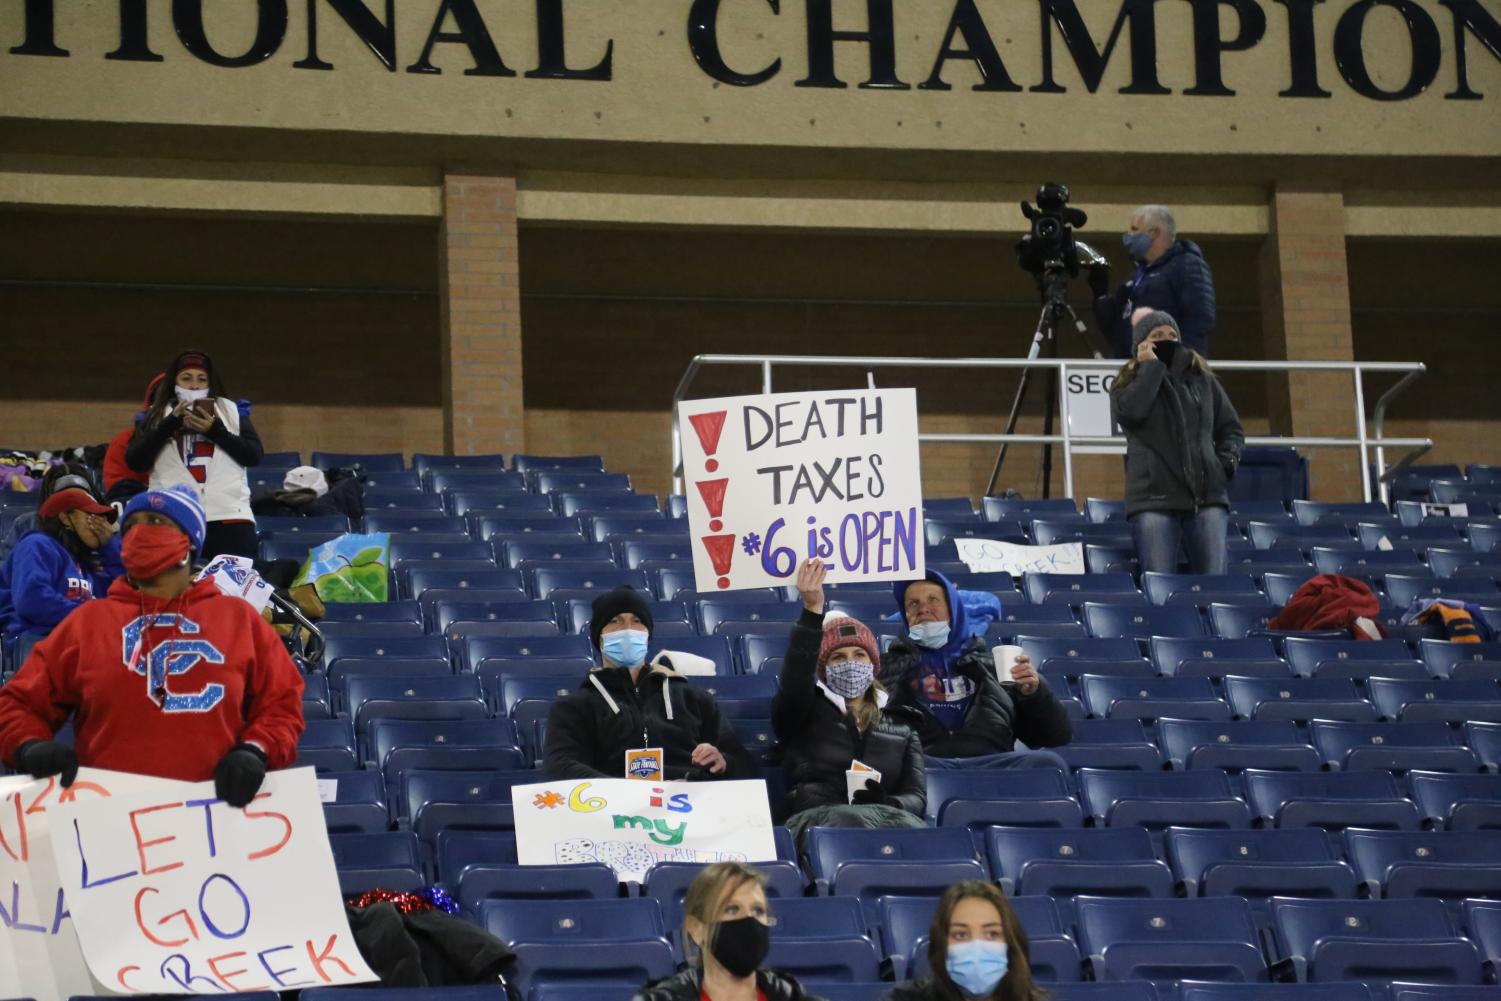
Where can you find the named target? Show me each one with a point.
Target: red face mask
(151, 550)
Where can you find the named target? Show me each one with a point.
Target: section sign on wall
(1087, 386)
(775, 479)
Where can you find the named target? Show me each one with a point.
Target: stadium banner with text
(172, 891)
(1087, 385)
(630, 824)
(776, 479)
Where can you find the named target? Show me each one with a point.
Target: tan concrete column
(480, 299)
(1305, 309)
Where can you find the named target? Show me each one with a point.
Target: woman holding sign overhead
(851, 764)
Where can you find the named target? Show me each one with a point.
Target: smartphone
(205, 408)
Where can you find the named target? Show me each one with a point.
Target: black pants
(236, 538)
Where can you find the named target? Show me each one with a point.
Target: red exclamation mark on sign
(712, 491)
(721, 550)
(709, 426)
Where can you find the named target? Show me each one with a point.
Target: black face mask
(741, 945)
(1165, 350)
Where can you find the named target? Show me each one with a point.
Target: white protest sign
(1087, 389)
(631, 825)
(776, 479)
(990, 555)
(236, 577)
(174, 892)
(39, 951)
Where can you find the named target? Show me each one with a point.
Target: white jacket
(225, 492)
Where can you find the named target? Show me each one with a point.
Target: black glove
(1229, 469)
(43, 758)
(239, 775)
(871, 795)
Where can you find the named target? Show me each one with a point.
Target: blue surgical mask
(625, 647)
(977, 967)
(1137, 245)
(933, 635)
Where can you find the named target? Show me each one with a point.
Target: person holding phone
(194, 435)
(1183, 442)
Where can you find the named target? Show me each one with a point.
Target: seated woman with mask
(70, 556)
(976, 950)
(829, 717)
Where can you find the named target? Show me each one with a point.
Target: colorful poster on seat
(172, 891)
(631, 825)
(776, 479)
(39, 952)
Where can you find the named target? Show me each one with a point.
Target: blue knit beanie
(179, 503)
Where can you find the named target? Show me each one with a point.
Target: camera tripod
(1052, 282)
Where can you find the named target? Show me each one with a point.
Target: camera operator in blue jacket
(1171, 275)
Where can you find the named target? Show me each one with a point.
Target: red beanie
(841, 631)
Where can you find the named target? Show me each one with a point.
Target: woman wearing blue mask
(830, 718)
(976, 949)
(1183, 442)
(629, 705)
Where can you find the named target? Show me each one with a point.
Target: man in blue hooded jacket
(948, 676)
(1171, 275)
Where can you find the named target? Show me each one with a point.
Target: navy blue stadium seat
(977, 797)
(1132, 990)
(1450, 864)
(359, 803)
(1479, 588)
(1484, 739)
(816, 962)
(1429, 992)
(1142, 622)
(293, 546)
(943, 528)
(374, 611)
(1234, 746)
(1048, 532)
(571, 549)
(328, 745)
(401, 525)
(1150, 698)
(559, 481)
(1111, 558)
(526, 462)
(634, 553)
(1300, 699)
(401, 499)
(404, 549)
(1406, 746)
(417, 581)
(370, 630)
(1319, 512)
(1371, 940)
(1236, 622)
(715, 648)
(668, 882)
(870, 863)
(561, 580)
(1161, 799)
(492, 607)
(1209, 938)
(1331, 800)
(1192, 991)
(421, 788)
(422, 647)
(1461, 661)
(1117, 862)
(1272, 534)
(423, 461)
(1196, 589)
(1214, 658)
(600, 501)
(396, 745)
(1458, 802)
(1482, 920)
(1445, 701)
(430, 697)
(1043, 588)
(478, 648)
(443, 481)
(572, 940)
(1258, 864)
(372, 462)
(384, 858)
(1017, 509)
(1110, 743)
(481, 881)
(1418, 537)
(382, 666)
(293, 524)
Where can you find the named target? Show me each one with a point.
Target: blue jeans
(1006, 759)
(1160, 534)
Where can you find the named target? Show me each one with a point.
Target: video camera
(1050, 251)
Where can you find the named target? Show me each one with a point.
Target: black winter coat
(998, 717)
(819, 740)
(1183, 436)
(586, 738)
(1179, 282)
(688, 986)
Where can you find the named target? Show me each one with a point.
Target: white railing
(1368, 437)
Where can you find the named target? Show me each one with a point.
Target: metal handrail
(1364, 440)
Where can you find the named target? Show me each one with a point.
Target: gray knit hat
(1150, 322)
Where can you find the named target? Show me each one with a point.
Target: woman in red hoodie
(164, 677)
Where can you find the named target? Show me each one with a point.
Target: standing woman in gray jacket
(1183, 442)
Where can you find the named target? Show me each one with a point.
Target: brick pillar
(480, 300)
(1305, 309)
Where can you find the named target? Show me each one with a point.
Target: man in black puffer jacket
(967, 718)
(1171, 275)
(628, 704)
